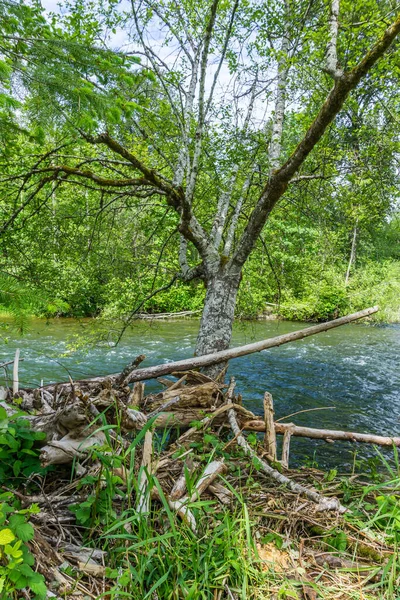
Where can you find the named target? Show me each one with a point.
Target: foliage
(178, 563)
(16, 561)
(19, 301)
(93, 248)
(18, 456)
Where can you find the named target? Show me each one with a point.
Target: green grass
(158, 556)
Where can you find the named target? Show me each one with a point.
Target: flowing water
(355, 369)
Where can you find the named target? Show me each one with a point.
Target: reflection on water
(354, 368)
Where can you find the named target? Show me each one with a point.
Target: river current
(354, 369)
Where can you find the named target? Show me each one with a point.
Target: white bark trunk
(331, 49)
(352, 253)
(280, 104)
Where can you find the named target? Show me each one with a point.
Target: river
(355, 369)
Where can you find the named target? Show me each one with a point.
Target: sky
(168, 54)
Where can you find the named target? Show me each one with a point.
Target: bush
(18, 455)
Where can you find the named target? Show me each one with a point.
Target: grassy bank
(70, 531)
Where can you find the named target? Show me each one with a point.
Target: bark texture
(216, 321)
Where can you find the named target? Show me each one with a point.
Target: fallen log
(206, 360)
(185, 417)
(324, 434)
(220, 357)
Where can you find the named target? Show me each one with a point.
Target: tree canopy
(159, 146)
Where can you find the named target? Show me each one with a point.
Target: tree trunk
(352, 252)
(217, 318)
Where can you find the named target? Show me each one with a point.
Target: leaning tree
(189, 102)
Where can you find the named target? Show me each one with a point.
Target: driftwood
(270, 437)
(324, 434)
(15, 372)
(204, 395)
(185, 417)
(120, 380)
(322, 502)
(70, 416)
(166, 316)
(179, 486)
(69, 447)
(221, 492)
(212, 470)
(286, 448)
(143, 500)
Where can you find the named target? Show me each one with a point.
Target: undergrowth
(236, 551)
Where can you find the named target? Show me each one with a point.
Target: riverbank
(190, 515)
(357, 365)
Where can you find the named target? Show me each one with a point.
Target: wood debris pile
(80, 419)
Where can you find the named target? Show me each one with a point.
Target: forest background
(74, 246)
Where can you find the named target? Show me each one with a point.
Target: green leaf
(6, 537)
(17, 467)
(24, 531)
(39, 588)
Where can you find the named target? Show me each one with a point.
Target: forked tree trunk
(217, 318)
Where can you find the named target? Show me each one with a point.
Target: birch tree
(208, 74)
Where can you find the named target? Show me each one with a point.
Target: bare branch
(222, 209)
(183, 157)
(224, 200)
(150, 55)
(15, 214)
(201, 119)
(235, 217)
(134, 312)
(154, 6)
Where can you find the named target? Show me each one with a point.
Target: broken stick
(270, 437)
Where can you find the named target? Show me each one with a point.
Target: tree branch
(279, 180)
(331, 49)
(15, 214)
(174, 195)
(223, 53)
(102, 181)
(280, 100)
(224, 200)
(201, 119)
